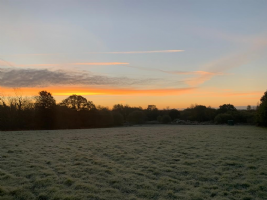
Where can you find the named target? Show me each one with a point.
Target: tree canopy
(45, 100)
(226, 107)
(77, 102)
(262, 111)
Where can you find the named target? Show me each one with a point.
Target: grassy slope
(157, 162)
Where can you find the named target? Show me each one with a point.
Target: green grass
(148, 162)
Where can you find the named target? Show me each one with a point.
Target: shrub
(159, 118)
(117, 119)
(104, 118)
(223, 118)
(198, 113)
(174, 114)
(136, 117)
(166, 119)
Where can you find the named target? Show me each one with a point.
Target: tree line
(75, 112)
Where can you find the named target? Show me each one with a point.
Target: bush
(166, 119)
(247, 116)
(104, 118)
(223, 118)
(198, 113)
(174, 114)
(159, 118)
(117, 119)
(136, 117)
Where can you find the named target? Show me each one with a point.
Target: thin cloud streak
(179, 72)
(138, 52)
(91, 64)
(6, 63)
(228, 93)
(111, 63)
(111, 52)
(230, 62)
(202, 76)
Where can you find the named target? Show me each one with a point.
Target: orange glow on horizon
(65, 91)
(174, 98)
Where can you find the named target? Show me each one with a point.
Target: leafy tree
(152, 112)
(226, 108)
(262, 111)
(77, 102)
(104, 117)
(45, 100)
(45, 110)
(264, 97)
(151, 107)
(198, 113)
(118, 108)
(125, 110)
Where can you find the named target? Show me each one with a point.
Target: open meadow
(146, 162)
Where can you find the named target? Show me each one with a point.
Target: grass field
(148, 162)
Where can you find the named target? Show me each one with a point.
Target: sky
(169, 53)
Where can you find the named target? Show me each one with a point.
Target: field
(146, 162)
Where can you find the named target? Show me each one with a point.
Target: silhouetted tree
(119, 108)
(125, 110)
(262, 111)
(174, 114)
(222, 118)
(4, 114)
(226, 108)
(166, 119)
(117, 118)
(198, 113)
(45, 100)
(152, 112)
(136, 117)
(45, 110)
(104, 117)
(77, 102)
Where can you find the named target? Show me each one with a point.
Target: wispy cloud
(137, 52)
(103, 63)
(228, 36)
(5, 63)
(108, 52)
(199, 76)
(73, 64)
(43, 77)
(226, 63)
(215, 93)
(178, 72)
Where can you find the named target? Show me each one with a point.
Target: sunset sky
(136, 52)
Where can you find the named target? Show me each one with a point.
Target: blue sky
(222, 58)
